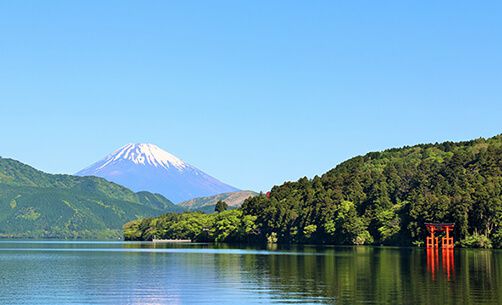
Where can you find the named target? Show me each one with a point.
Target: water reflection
(146, 273)
(432, 261)
(448, 263)
(387, 275)
(447, 260)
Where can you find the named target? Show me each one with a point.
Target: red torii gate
(432, 241)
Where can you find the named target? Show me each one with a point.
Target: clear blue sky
(254, 93)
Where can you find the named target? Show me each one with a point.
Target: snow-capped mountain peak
(147, 167)
(144, 154)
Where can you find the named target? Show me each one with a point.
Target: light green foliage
(362, 238)
(272, 238)
(352, 229)
(330, 228)
(309, 230)
(221, 227)
(388, 224)
(476, 241)
(227, 226)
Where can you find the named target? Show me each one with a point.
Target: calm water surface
(144, 273)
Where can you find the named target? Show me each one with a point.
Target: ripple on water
(39, 272)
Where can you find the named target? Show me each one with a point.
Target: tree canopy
(220, 206)
(386, 198)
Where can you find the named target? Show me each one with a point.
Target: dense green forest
(379, 198)
(34, 204)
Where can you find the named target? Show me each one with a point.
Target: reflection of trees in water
(481, 267)
(348, 275)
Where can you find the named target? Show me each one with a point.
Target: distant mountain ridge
(34, 204)
(207, 204)
(146, 167)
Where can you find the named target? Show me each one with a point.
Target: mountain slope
(207, 204)
(146, 167)
(34, 204)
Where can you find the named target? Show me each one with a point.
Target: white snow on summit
(145, 154)
(146, 167)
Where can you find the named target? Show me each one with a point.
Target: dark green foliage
(208, 209)
(220, 206)
(34, 204)
(158, 201)
(387, 197)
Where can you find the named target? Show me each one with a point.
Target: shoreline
(171, 240)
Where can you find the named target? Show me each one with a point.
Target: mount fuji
(146, 167)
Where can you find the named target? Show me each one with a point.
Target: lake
(50, 272)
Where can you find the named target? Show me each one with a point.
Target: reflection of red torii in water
(432, 241)
(447, 244)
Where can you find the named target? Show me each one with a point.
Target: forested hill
(382, 198)
(34, 204)
(386, 197)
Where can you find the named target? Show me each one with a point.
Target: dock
(171, 240)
